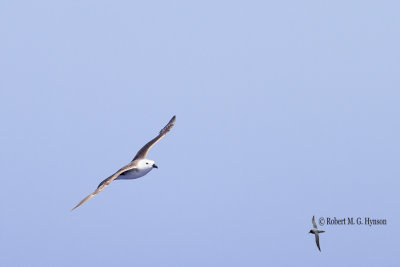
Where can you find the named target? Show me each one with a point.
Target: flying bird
(316, 232)
(138, 167)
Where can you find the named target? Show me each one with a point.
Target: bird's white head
(146, 164)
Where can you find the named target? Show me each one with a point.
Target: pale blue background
(285, 109)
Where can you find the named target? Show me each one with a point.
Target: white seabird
(138, 167)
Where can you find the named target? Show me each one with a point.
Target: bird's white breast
(133, 174)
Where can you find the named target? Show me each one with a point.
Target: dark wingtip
(169, 125)
(76, 206)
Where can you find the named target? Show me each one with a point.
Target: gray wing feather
(106, 182)
(313, 223)
(141, 154)
(317, 240)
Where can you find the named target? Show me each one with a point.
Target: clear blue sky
(285, 110)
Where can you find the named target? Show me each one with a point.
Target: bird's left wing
(317, 240)
(106, 182)
(141, 154)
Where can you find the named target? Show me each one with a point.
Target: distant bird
(316, 232)
(138, 167)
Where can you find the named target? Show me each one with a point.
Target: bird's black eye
(147, 163)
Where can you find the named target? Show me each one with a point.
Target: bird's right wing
(313, 223)
(317, 240)
(106, 182)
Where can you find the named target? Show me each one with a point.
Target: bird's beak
(155, 166)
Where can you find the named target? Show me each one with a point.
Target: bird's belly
(134, 174)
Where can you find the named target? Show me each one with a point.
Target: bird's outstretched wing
(313, 223)
(106, 182)
(317, 240)
(141, 154)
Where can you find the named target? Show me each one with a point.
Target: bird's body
(133, 174)
(138, 167)
(316, 232)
